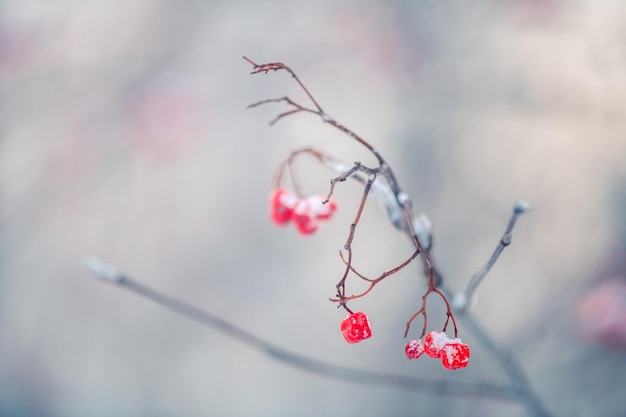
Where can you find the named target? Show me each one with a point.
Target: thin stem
(275, 66)
(421, 311)
(298, 108)
(384, 274)
(520, 208)
(341, 285)
(288, 166)
(372, 282)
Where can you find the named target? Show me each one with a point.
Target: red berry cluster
(454, 354)
(304, 212)
(356, 327)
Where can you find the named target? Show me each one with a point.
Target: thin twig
(520, 208)
(439, 387)
(372, 281)
(341, 285)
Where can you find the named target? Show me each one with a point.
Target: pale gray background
(124, 134)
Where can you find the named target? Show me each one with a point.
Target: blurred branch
(482, 389)
(518, 379)
(520, 208)
(524, 391)
(507, 361)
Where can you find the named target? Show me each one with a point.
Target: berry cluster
(454, 354)
(356, 327)
(304, 212)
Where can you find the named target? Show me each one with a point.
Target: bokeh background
(124, 134)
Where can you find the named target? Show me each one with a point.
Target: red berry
(305, 223)
(356, 327)
(455, 355)
(282, 203)
(305, 213)
(306, 226)
(434, 342)
(414, 349)
(319, 209)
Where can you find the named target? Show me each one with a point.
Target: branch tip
(459, 302)
(100, 269)
(522, 206)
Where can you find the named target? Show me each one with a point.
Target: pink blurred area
(124, 134)
(602, 309)
(603, 315)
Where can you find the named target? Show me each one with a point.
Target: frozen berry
(434, 342)
(356, 327)
(282, 203)
(319, 209)
(301, 216)
(455, 355)
(414, 349)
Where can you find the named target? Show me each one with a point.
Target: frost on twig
(102, 270)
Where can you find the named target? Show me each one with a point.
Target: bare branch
(511, 366)
(438, 387)
(520, 208)
(275, 66)
(341, 286)
(372, 281)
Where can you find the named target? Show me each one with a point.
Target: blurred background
(124, 134)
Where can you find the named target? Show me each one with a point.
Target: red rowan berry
(356, 327)
(301, 215)
(455, 355)
(320, 210)
(282, 203)
(434, 342)
(414, 349)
